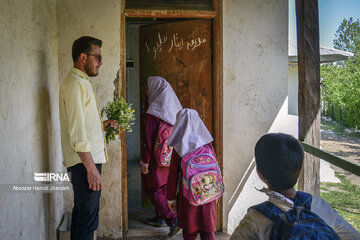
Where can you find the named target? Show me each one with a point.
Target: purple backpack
(201, 176)
(162, 152)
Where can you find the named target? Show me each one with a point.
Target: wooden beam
(168, 13)
(307, 18)
(122, 89)
(349, 166)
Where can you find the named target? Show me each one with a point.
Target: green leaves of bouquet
(122, 112)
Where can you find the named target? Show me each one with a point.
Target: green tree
(347, 37)
(341, 82)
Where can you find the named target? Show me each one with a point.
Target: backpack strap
(271, 211)
(268, 209)
(303, 199)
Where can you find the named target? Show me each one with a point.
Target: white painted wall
(249, 195)
(100, 19)
(29, 117)
(255, 88)
(293, 89)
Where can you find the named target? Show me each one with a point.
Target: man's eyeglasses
(98, 56)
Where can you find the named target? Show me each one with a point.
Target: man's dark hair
(83, 45)
(279, 159)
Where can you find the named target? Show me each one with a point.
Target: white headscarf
(189, 132)
(163, 102)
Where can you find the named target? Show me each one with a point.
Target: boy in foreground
(279, 159)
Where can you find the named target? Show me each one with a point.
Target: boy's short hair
(279, 159)
(83, 45)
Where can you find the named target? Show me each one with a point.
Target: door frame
(216, 16)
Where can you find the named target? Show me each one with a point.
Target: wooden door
(180, 52)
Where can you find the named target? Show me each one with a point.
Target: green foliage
(341, 82)
(122, 112)
(344, 198)
(347, 36)
(341, 91)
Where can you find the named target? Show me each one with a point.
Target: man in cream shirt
(82, 136)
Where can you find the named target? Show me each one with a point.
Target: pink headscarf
(189, 132)
(163, 102)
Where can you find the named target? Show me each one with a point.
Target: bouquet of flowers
(122, 112)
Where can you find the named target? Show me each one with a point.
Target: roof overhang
(326, 54)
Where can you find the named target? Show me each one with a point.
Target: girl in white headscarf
(163, 107)
(190, 134)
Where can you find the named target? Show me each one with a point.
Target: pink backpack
(162, 152)
(201, 176)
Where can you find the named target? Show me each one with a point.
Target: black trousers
(85, 214)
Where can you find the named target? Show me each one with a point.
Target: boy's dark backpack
(298, 223)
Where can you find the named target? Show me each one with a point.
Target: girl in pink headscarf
(161, 115)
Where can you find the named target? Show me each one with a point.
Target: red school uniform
(157, 176)
(155, 181)
(190, 218)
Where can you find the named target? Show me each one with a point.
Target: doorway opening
(137, 214)
(134, 213)
(180, 52)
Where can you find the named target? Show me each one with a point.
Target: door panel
(180, 52)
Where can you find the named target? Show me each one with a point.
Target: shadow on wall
(44, 125)
(241, 185)
(48, 126)
(245, 194)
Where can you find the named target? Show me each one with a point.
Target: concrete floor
(138, 229)
(134, 185)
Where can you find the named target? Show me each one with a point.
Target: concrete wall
(249, 195)
(29, 117)
(293, 89)
(100, 19)
(255, 87)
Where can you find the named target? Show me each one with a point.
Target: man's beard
(89, 72)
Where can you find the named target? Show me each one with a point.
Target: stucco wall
(293, 89)
(30, 130)
(249, 195)
(255, 84)
(100, 19)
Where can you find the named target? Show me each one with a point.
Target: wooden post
(122, 93)
(307, 18)
(218, 98)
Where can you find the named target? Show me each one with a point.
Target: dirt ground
(344, 146)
